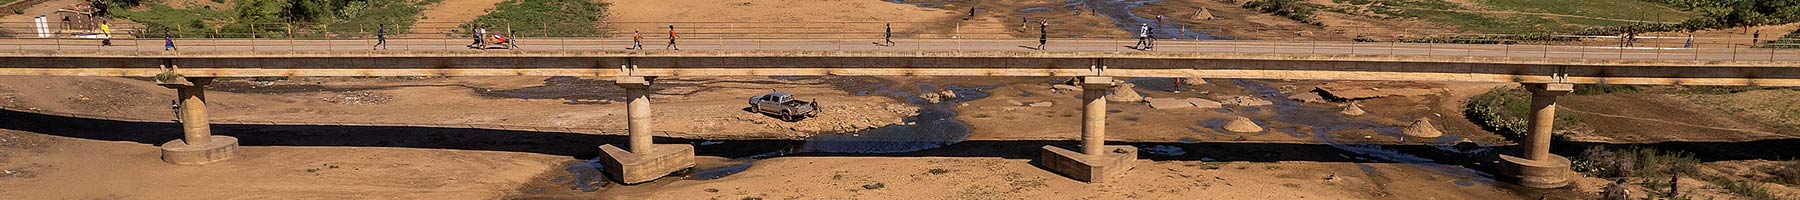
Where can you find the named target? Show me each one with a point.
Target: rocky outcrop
(1168, 103)
(940, 96)
(1246, 101)
(1193, 81)
(1205, 104)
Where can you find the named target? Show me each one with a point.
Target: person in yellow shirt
(106, 39)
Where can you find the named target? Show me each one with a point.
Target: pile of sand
(1203, 14)
(1242, 125)
(1353, 110)
(1124, 93)
(1422, 128)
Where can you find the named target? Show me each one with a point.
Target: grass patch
(1788, 174)
(1774, 106)
(1610, 9)
(1297, 10)
(1593, 89)
(532, 18)
(1504, 111)
(1652, 168)
(354, 19)
(1635, 162)
(1789, 41)
(1525, 16)
(1752, 190)
(190, 22)
(397, 15)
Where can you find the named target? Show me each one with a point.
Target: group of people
(637, 39)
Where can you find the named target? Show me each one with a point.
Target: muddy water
(1323, 122)
(935, 126)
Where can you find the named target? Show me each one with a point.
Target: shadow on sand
(583, 146)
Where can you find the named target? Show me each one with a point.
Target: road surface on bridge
(1309, 60)
(1718, 52)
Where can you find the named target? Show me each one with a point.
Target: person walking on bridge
(107, 34)
(1150, 33)
(1043, 33)
(637, 40)
(971, 14)
(169, 42)
(1143, 37)
(672, 37)
(1755, 38)
(380, 37)
(475, 33)
(888, 35)
(1690, 41)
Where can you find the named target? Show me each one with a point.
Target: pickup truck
(783, 105)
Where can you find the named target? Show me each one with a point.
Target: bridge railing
(314, 122)
(918, 36)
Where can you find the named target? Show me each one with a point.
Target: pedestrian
(1675, 184)
(888, 35)
(1149, 32)
(475, 33)
(1616, 191)
(672, 37)
(1143, 37)
(1024, 24)
(1631, 38)
(175, 105)
(637, 40)
(1690, 41)
(1043, 33)
(971, 14)
(169, 41)
(1756, 37)
(107, 34)
(380, 37)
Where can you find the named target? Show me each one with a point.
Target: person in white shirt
(1143, 37)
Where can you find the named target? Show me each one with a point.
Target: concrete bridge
(1548, 71)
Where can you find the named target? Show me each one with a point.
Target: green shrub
(1297, 10)
(1504, 111)
(532, 18)
(1635, 162)
(1788, 173)
(1752, 190)
(1589, 89)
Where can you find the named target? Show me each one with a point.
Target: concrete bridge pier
(198, 145)
(1096, 163)
(1535, 166)
(646, 161)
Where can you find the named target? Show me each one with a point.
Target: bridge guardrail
(920, 36)
(582, 130)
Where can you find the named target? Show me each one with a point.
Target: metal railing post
(253, 37)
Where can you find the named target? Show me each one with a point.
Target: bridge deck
(937, 57)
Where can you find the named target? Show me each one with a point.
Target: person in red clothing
(672, 37)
